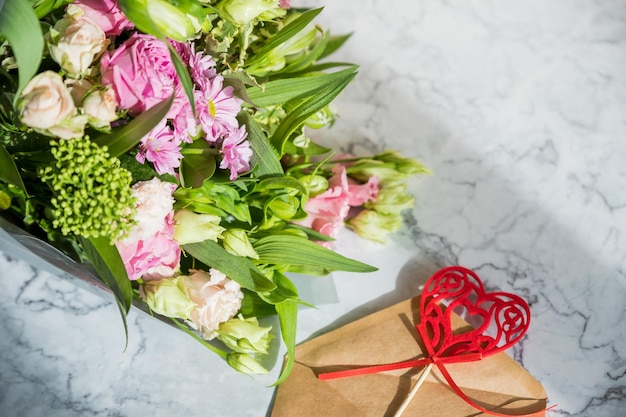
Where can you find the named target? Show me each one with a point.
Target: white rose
(47, 107)
(75, 41)
(218, 299)
(99, 107)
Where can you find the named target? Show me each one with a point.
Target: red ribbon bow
(505, 316)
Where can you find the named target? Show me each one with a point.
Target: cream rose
(75, 42)
(99, 107)
(47, 107)
(218, 299)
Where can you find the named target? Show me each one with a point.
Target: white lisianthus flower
(242, 12)
(245, 335)
(190, 227)
(75, 42)
(217, 297)
(244, 363)
(168, 297)
(47, 107)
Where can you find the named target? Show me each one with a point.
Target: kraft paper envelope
(497, 382)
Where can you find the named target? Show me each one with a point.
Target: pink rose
(142, 74)
(107, 14)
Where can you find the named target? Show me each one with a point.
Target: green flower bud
(390, 167)
(316, 184)
(236, 242)
(93, 197)
(285, 206)
(245, 335)
(375, 226)
(322, 118)
(245, 363)
(190, 227)
(242, 12)
(168, 297)
(5, 200)
(392, 200)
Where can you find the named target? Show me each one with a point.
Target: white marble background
(520, 110)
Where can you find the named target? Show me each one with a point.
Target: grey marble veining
(519, 108)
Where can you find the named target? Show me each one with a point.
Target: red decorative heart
(502, 318)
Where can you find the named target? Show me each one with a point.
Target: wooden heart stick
(413, 391)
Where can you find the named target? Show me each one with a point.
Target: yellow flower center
(212, 109)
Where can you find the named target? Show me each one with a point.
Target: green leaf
(284, 34)
(183, 76)
(43, 7)
(288, 317)
(300, 252)
(264, 156)
(305, 109)
(20, 26)
(334, 43)
(122, 139)
(107, 262)
(198, 164)
(282, 90)
(237, 268)
(283, 183)
(307, 59)
(8, 170)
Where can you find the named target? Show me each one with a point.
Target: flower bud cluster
(92, 192)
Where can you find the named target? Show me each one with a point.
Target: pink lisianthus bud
(107, 14)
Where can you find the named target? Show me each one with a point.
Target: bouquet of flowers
(165, 144)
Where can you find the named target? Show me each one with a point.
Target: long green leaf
(183, 76)
(264, 156)
(334, 43)
(237, 268)
(288, 317)
(123, 139)
(308, 107)
(298, 251)
(8, 170)
(106, 260)
(283, 90)
(20, 26)
(284, 34)
(309, 58)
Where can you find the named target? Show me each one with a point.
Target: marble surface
(519, 108)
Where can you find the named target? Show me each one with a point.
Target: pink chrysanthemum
(185, 124)
(217, 109)
(161, 148)
(201, 68)
(236, 152)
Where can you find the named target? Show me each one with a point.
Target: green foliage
(20, 26)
